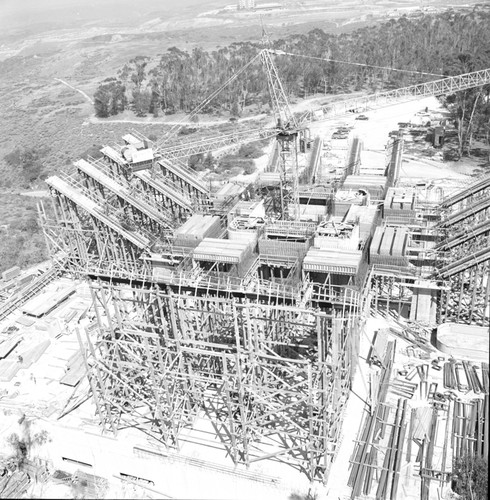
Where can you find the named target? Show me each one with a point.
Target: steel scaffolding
(266, 363)
(272, 379)
(465, 255)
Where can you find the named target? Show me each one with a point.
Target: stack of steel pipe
(365, 466)
(410, 434)
(386, 372)
(364, 460)
(465, 376)
(414, 337)
(446, 443)
(359, 478)
(403, 388)
(428, 444)
(470, 428)
(378, 347)
(485, 426)
(474, 382)
(390, 472)
(461, 380)
(449, 378)
(484, 370)
(423, 371)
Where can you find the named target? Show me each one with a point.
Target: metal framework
(215, 142)
(172, 185)
(280, 103)
(465, 255)
(271, 379)
(266, 362)
(332, 110)
(468, 295)
(458, 280)
(85, 230)
(443, 86)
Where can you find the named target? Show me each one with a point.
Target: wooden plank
(7, 346)
(8, 369)
(76, 371)
(30, 356)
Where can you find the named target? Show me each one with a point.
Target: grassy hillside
(21, 239)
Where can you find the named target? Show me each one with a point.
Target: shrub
(249, 168)
(28, 160)
(471, 477)
(93, 151)
(251, 150)
(187, 130)
(196, 161)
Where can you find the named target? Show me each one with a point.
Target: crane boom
(380, 99)
(280, 104)
(330, 111)
(288, 128)
(215, 142)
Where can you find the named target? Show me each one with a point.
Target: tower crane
(287, 133)
(333, 110)
(291, 132)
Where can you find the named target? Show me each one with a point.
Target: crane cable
(233, 77)
(282, 53)
(198, 108)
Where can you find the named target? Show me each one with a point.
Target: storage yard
(298, 332)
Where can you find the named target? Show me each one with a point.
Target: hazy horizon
(16, 14)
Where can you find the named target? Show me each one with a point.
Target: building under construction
(242, 306)
(209, 316)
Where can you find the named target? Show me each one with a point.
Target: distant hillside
(447, 43)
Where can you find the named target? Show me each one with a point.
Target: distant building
(246, 4)
(269, 6)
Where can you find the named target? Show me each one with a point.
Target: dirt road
(86, 96)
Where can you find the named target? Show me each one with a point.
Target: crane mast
(287, 132)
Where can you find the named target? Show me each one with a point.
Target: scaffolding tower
(266, 361)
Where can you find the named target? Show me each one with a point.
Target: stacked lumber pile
(75, 370)
(12, 359)
(14, 485)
